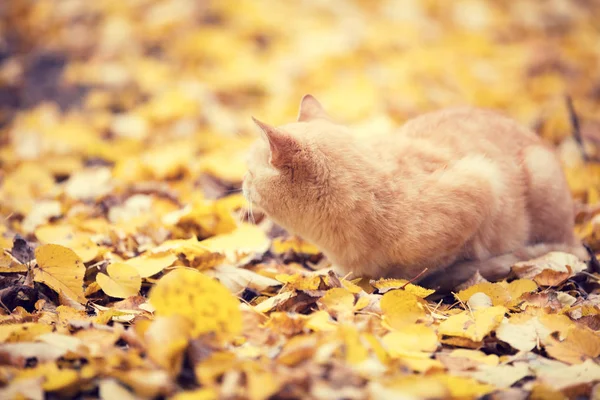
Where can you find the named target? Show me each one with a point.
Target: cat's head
(291, 168)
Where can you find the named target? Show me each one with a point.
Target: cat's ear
(282, 145)
(310, 109)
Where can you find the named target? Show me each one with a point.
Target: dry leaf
(122, 281)
(203, 301)
(61, 269)
(579, 345)
(474, 326)
(152, 263)
(400, 308)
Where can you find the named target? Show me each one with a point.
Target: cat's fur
(453, 191)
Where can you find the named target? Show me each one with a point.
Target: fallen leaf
(167, 338)
(410, 338)
(246, 241)
(293, 244)
(557, 262)
(474, 326)
(502, 376)
(495, 291)
(122, 280)
(203, 301)
(237, 279)
(566, 376)
(579, 345)
(61, 269)
(151, 264)
(339, 302)
(524, 334)
(111, 389)
(400, 308)
(385, 285)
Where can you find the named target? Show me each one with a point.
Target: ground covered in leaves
(132, 268)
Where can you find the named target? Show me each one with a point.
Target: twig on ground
(574, 118)
(420, 274)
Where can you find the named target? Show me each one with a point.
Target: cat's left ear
(283, 146)
(310, 109)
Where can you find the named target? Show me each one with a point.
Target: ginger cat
(453, 191)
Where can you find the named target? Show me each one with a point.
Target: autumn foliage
(132, 267)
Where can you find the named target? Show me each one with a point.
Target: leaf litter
(132, 267)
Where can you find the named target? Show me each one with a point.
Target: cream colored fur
(453, 191)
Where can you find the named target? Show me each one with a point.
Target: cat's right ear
(282, 145)
(310, 109)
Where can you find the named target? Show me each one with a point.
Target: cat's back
(466, 130)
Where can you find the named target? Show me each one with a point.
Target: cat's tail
(496, 268)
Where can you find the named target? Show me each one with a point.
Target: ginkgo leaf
(61, 269)
(202, 300)
(122, 280)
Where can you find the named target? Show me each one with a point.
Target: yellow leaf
(361, 303)
(463, 388)
(8, 265)
(205, 302)
(300, 282)
(61, 269)
(475, 326)
(339, 302)
(67, 236)
(198, 394)
(477, 356)
(246, 240)
(122, 281)
(167, 338)
(214, 366)
(298, 349)
(320, 321)
(293, 244)
(520, 286)
(146, 383)
(495, 291)
(196, 254)
(151, 263)
(354, 349)
(401, 308)
(415, 337)
(26, 332)
(55, 379)
(385, 285)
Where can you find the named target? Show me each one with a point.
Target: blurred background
(101, 101)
